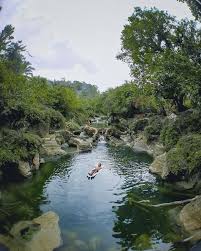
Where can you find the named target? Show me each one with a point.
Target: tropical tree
(12, 53)
(153, 42)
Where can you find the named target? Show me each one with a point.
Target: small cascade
(102, 139)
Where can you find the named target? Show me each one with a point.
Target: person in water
(96, 169)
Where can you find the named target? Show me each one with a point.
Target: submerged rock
(94, 243)
(41, 234)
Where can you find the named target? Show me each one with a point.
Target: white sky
(77, 39)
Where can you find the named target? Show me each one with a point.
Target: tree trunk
(179, 102)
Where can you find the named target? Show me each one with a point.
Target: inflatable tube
(93, 175)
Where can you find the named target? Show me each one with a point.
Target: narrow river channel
(99, 214)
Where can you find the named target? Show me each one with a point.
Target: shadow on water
(96, 214)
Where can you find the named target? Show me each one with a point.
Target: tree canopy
(164, 51)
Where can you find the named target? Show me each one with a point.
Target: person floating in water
(96, 169)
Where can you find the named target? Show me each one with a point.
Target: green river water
(98, 214)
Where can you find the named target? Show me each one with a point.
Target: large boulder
(140, 145)
(91, 131)
(41, 234)
(190, 218)
(50, 147)
(159, 166)
(82, 145)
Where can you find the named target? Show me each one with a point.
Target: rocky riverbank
(51, 145)
(173, 141)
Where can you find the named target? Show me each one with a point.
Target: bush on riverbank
(185, 158)
(152, 131)
(185, 123)
(16, 146)
(139, 125)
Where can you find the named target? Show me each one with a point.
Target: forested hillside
(32, 106)
(164, 56)
(81, 88)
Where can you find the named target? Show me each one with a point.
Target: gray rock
(91, 131)
(139, 145)
(64, 146)
(190, 218)
(50, 147)
(159, 166)
(36, 161)
(41, 234)
(24, 169)
(82, 145)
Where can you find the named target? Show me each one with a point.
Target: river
(97, 214)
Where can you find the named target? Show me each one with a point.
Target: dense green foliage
(164, 57)
(185, 123)
(153, 130)
(127, 100)
(139, 125)
(166, 52)
(81, 88)
(17, 145)
(31, 106)
(185, 158)
(31, 101)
